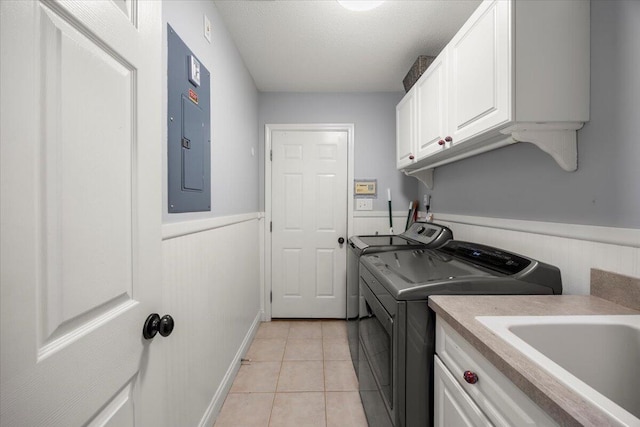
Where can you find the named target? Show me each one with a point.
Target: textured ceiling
(318, 46)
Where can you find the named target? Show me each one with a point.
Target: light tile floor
(299, 374)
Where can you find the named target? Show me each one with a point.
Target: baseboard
(215, 406)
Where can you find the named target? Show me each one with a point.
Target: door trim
(268, 128)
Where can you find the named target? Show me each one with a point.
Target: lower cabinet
(452, 405)
(470, 391)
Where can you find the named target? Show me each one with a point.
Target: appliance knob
(448, 139)
(441, 142)
(470, 377)
(411, 157)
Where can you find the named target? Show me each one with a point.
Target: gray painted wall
(234, 111)
(375, 125)
(522, 182)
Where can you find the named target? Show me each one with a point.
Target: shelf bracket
(559, 144)
(425, 176)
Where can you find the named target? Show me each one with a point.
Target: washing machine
(397, 328)
(418, 235)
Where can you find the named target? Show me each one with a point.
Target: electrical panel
(189, 129)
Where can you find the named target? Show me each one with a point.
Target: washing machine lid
(390, 240)
(419, 234)
(420, 266)
(456, 268)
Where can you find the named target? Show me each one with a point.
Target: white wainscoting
(573, 248)
(211, 286)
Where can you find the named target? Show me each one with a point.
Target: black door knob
(166, 325)
(155, 324)
(341, 240)
(150, 328)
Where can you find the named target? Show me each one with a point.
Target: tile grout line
(275, 392)
(324, 377)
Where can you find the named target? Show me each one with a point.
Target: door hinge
(270, 226)
(271, 155)
(270, 296)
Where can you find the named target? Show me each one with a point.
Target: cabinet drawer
(501, 400)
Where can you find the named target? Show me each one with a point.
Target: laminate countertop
(559, 401)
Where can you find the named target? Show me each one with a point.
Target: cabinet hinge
(271, 155)
(270, 296)
(271, 226)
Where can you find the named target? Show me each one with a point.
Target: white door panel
(80, 200)
(431, 94)
(480, 70)
(405, 133)
(309, 215)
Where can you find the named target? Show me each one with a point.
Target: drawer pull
(470, 377)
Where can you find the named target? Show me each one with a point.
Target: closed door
(81, 206)
(309, 217)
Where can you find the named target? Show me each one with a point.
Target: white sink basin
(596, 356)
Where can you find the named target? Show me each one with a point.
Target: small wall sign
(365, 189)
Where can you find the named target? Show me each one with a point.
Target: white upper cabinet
(479, 64)
(431, 93)
(517, 71)
(405, 130)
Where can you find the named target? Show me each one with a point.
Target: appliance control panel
(428, 233)
(488, 257)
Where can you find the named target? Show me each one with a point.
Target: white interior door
(309, 215)
(80, 207)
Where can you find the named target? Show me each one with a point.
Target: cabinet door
(431, 92)
(480, 72)
(405, 129)
(451, 405)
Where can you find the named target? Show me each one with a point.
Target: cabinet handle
(448, 139)
(441, 142)
(470, 377)
(411, 157)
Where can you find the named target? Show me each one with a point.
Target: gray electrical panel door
(189, 129)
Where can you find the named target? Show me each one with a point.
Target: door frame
(268, 128)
